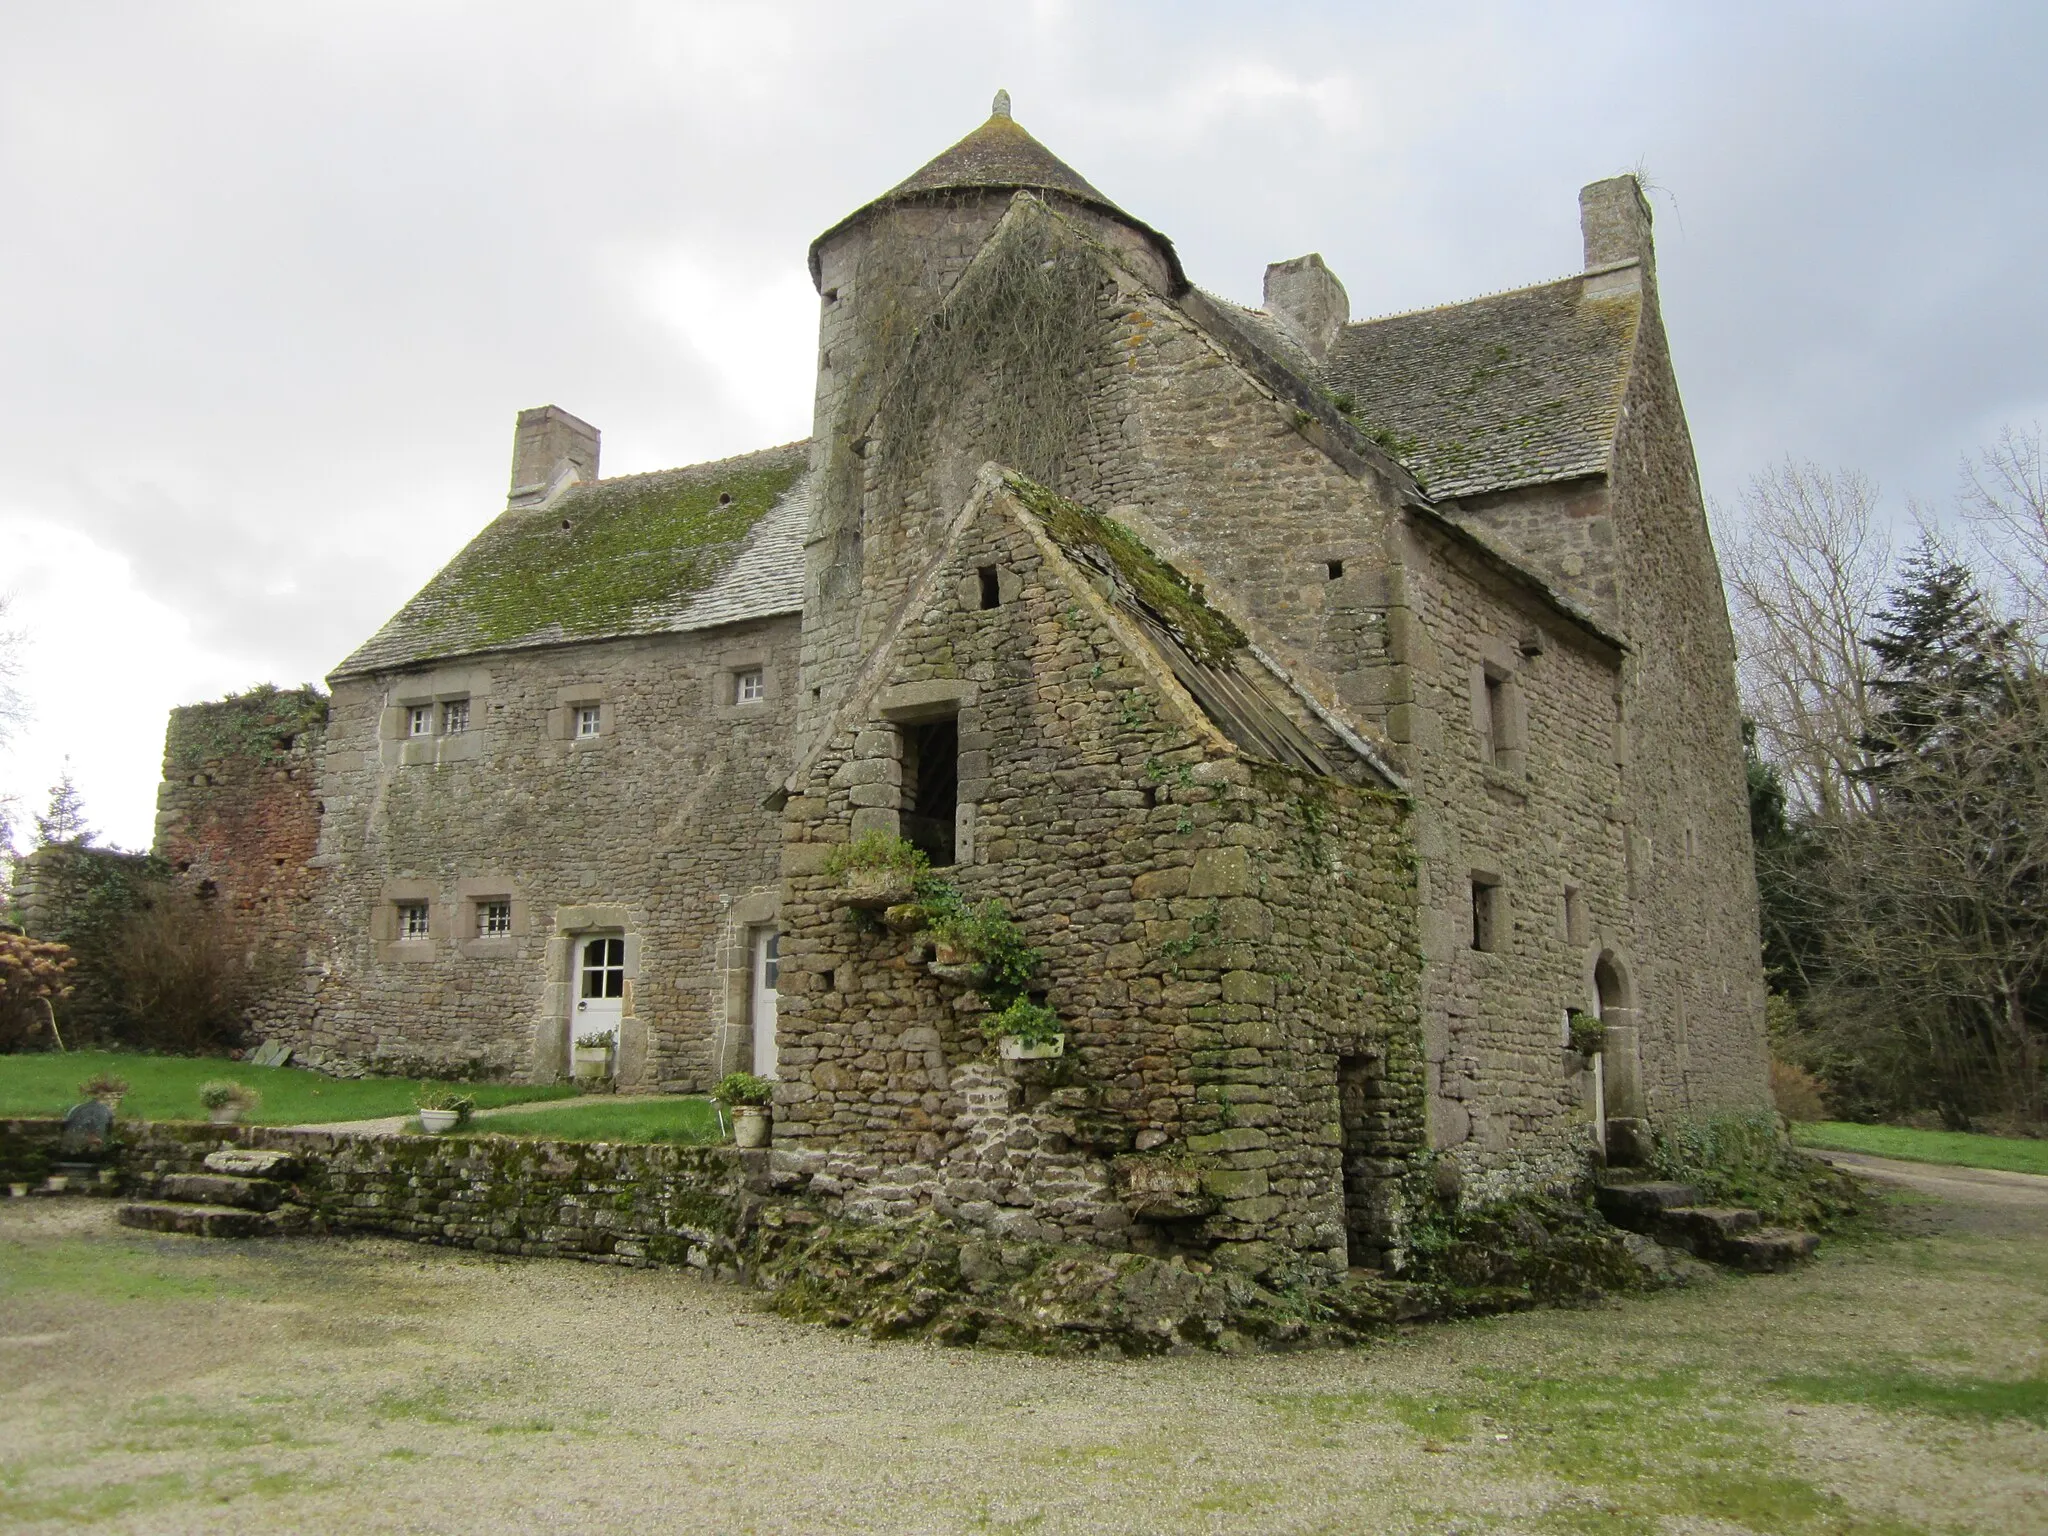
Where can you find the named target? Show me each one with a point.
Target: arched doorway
(1621, 1089)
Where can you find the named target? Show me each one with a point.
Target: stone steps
(1671, 1213)
(242, 1194)
(210, 1220)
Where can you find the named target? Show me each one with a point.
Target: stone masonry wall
(1533, 812)
(1216, 936)
(653, 830)
(238, 819)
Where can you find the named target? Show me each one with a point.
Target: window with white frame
(419, 720)
(588, 719)
(455, 717)
(749, 686)
(412, 920)
(493, 918)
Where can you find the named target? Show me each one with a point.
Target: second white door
(766, 967)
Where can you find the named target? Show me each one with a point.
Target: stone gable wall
(1217, 934)
(656, 830)
(1700, 986)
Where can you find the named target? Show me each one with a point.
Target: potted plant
(442, 1108)
(1025, 1031)
(747, 1097)
(105, 1087)
(979, 945)
(593, 1054)
(876, 870)
(227, 1101)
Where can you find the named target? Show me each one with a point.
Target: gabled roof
(1512, 389)
(678, 549)
(999, 156)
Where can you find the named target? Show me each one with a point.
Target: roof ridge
(702, 464)
(1495, 293)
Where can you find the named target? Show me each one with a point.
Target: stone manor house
(1340, 705)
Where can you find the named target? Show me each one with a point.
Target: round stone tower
(881, 271)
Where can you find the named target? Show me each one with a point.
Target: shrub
(1746, 1160)
(103, 1083)
(223, 1091)
(596, 1040)
(1797, 1092)
(1032, 1023)
(877, 850)
(1589, 1035)
(182, 980)
(738, 1088)
(34, 973)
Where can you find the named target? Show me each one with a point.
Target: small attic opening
(1335, 568)
(991, 589)
(931, 786)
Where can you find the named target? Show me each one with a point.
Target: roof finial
(1000, 107)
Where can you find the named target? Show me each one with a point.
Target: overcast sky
(277, 277)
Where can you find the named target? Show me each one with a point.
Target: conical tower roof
(1000, 156)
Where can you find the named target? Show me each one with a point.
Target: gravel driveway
(172, 1384)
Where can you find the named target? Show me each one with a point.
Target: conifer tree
(64, 822)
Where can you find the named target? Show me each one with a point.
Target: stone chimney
(1306, 298)
(1614, 219)
(550, 448)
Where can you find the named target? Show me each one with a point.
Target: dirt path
(389, 1125)
(1975, 1199)
(159, 1384)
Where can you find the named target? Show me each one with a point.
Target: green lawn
(167, 1088)
(2012, 1153)
(687, 1120)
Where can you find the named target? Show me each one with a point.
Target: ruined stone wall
(654, 830)
(1531, 811)
(1217, 935)
(1699, 975)
(238, 821)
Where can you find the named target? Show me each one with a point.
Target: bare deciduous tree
(1806, 565)
(2005, 494)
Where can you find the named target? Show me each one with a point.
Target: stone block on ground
(222, 1189)
(1638, 1203)
(252, 1163)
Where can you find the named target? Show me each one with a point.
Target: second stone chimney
(550, 449)
(1306, 298)
(1614, 220)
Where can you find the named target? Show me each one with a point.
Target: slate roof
(1512, 389)
(633, 555)
(999, 156)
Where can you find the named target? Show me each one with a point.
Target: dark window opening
(1372, 1157)
(208, 890)
(1496, 719)
(604, 968)
(831, 295)
(1486, 913)
(931, 787)
(565, 525)
(991, 589)
(1336, 569)
(725, 498)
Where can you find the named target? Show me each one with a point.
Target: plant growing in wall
(442, 1108)
(1025, 1031)
(747, 1097)
(227, 1100)
(105, 1087)
(1165, 1185)
(876, 870)
(1588, 1034)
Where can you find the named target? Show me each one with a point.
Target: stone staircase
(243, 1193)
(1730, 1235)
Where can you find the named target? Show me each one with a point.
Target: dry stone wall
(653, 829)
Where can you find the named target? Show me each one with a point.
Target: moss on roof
(621, 556)
(1162, 591)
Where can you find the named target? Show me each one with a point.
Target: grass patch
(1961, 1149)
(1949, 1397)
(110, 1271)
(167, 1088)
(689, 1121)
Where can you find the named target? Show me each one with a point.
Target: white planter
(750, 1125)
(227, 1114)
(1012, 1048)
(592, 1063)
(438, 1122)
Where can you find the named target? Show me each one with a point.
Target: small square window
(493, 919)
(412, 920)
(749, 687)
(588, 718)
(455, 717)
(1335, 568)
(419, 720)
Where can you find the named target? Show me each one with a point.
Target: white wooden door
(600, 988)
(766, 967)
